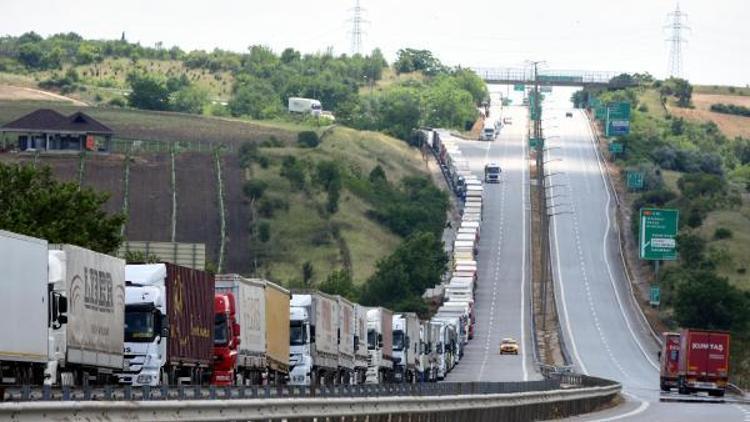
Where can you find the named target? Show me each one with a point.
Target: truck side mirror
(236, 329)
(312, 334)
(164, 326)
(658, 355)
(62, 306)
(380, 340)
(62, 319)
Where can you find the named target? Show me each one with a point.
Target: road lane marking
(648, 357)
(640, 409)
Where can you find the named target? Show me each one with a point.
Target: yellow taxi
(508, 346)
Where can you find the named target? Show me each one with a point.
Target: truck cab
(146, 325)
(300, 357)
(400, 348)
(379, 345)
(226, 339)
(669, 361)
(492, 173)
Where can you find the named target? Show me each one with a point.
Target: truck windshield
(398, 340)
(221, 330)
(297, 334)
(372, 339)
(493, 170)
(139, 325)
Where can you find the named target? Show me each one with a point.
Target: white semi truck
(71, 301)
(405, 347)
(380, 345)
(305, 106)
(313, 338)
(169, 325)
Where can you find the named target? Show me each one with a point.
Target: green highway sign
(657, 234)
(560, 78)
(546, 88)
(533, 142)
(519, 87)
(617, 119)
(616, 148)
(654, 296)
(634, 180)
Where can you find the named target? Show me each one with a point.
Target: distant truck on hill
(305, 105)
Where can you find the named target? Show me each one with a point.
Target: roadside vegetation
(692, 166)
(351, 212)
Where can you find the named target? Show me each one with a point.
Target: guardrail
(559, 396)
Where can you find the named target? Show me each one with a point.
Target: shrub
(722, 233)
(254, 189)
(308, 139)
(264, 231)
(118, 102)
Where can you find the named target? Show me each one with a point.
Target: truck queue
(87, 318)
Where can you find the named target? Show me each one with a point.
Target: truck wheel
(716, 393)
(664, 387)
(681, 387)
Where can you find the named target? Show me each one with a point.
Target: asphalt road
(603, 331)
(502, 294)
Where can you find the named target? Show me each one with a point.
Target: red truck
(669, 361)
(226, 339)
(702, 361)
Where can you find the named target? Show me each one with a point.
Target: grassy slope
(737, 248)
(720, 90)
(293, 231)
(302, 234)
(168, 126)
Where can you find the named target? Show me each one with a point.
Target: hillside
(299, 232)
(732, 126)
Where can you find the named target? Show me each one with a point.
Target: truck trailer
(345, 341)
(86, 342)
(703, 362)
(263, 317)
(313, 337)
(405, 347)
(380, 345)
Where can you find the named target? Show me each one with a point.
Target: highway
(605, 335)
(502, 295)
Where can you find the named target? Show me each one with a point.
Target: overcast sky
(623, 35)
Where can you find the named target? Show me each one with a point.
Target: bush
(254, 189)
(118, 102)
(308, 139)
(294, 170)
(267, 206)
(722, 233)
(264, 231)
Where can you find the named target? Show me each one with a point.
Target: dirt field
(150, 199)
(732, 126)
(238, 217)
(18, 93)
(197, 202)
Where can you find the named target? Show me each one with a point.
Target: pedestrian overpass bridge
(525, 75)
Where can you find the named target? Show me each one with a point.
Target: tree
(401, 278)
(339, 283)
(692, 249)
(707, 301)
(449, 105)
(399, 111)
(467, 80)
(308, 271)
(412, 60)
(34, 204)
(255, 98)
(254, 189)
(190, 99)
(148, 92)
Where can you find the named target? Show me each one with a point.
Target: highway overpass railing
(562, 395)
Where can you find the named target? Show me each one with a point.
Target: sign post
(657, 234)
(634, 179)
(654, 297)
(617, 121)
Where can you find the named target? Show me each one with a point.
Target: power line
(677, 25)
(356, 32)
